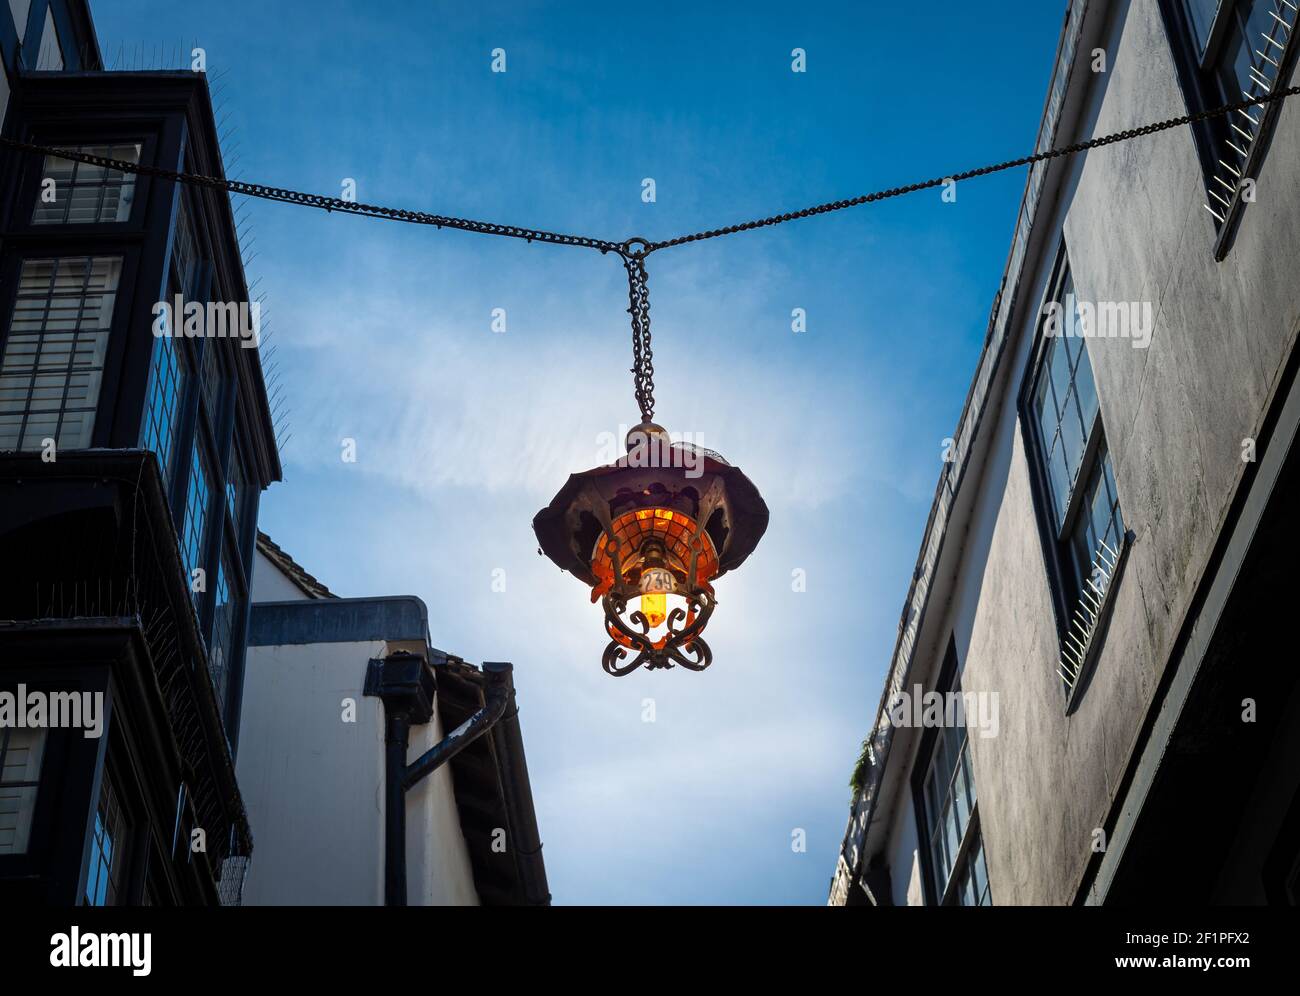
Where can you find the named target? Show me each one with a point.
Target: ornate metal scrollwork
(682, 646)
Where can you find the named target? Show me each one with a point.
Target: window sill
(1081, 645)
(1269, 115)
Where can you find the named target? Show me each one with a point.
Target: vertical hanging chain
(638, 294)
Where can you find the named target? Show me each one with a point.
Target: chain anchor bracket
(635, 248)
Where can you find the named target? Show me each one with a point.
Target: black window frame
(1056, 540)
(11, 270)
(949, 679)
(77, 180)
(1196, 67)
(120, 856)
(74, 134)
(6, 741)
(169, 464)
(54, 860)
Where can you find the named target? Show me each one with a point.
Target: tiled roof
(291, 568)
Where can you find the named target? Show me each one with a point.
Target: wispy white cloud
(436, 401)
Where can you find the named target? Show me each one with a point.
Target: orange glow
(676, 530)
(654, 606)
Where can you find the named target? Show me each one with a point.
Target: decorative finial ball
(645, 434)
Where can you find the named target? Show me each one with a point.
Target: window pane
(214, 380)
(194, 536)
(961, 797)
(1085, 559)
(952, 831)
(82, 194)
(54, 355)
(107, 846)
(1201, 15)
(949, 800)
(50, 55)
(941, 768)
(1059, 477)
(979, 873)
(21, 751)
(20, 9)
(1099, 510)
(223, 627)
(235, 492)
(1070, 319)
(1086, 389)
(939, 859)
(1045, 405)
(931, 801)
(1059, 373)
(1066, 403)
(1114, 529)
(1243, 45)
(1247, 26)
(970, 775)
(166, 392)
(184, 248)
(956, 737)
(1072, 435)
(1110, 477)
(968, 890)
(1099, 520)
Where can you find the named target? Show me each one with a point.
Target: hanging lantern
(650, 533)
(655, 529)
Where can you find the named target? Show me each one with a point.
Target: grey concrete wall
(1175, 416)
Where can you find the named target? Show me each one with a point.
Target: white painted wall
(270, 585)
(313, 784)
(314, 787)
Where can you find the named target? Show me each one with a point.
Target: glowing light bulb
(656, 585)
(654, 606)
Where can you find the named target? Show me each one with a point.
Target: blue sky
(384, 336)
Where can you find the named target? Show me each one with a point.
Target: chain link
(1038, 157)
(632, 247)
(633, 251)
(643, 368)
(330, 204)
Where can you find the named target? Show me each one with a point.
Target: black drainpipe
(519, 805)
(407, 686)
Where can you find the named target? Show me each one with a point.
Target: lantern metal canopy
(664, 521)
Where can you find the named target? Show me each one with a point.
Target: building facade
(132, 457)
(1101, 582)
(312, 760)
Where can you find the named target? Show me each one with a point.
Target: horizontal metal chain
(635, 248)
(320, 201)
(1038, 157)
